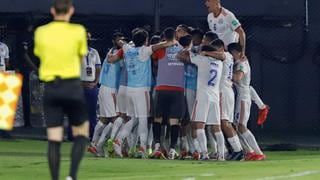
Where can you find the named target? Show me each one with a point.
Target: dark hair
(169, 33)
(197, 32)
(208, 48)
(235, 47)
(62, 6)
(116, 35)
(185, 28)
(155, 39)
(140, 37)
(217, 43)
(211, 36)
(185, 40)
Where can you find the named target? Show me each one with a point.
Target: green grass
(26, 160)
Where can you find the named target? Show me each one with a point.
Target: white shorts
(227, 104)
(206, 111)
(242, 111)
(138, 102)
(191, 98)
(122, 99)
(107, 102)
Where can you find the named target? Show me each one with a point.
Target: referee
(60, 46)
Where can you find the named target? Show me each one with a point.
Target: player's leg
(212, 142)
(176, 112)
(214, 121)
(160, 110)
(263, 108)
(245, 132)
(227, 116)
(91, 96)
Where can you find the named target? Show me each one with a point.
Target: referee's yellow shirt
(60, 47)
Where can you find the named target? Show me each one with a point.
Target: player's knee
(81, 130)
(174, 122)
(55, 134)
(158, 120)
(242, 128)
(216, 128)
(104, 120)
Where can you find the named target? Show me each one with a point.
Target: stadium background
(282, 36)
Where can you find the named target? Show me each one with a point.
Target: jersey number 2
(213, 75)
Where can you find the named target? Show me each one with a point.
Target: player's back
(110, 72)
(209, 76)
(60, 45)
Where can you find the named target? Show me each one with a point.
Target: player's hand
(243, 55)
(203, 53)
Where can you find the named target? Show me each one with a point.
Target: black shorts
(170, 104)
(64, 97)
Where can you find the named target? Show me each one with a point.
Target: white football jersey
(4, 54)
(227, 72)
(243, 86)
(209, 76)
(224, 26)
(89, 64)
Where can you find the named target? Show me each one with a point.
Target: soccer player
(206, 109)
(61, 46)
(90, 73)
(109, 80)
(209, 37)
(4, 57)
(170, 98)
(138, 63)
(227, 102)
(242, 78)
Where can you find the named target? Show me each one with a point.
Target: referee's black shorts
(64, 97)
(170, 104)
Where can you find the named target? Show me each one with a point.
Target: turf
(26, 160)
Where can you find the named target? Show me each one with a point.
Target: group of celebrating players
(183, 87)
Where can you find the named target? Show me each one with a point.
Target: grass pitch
(26, 160)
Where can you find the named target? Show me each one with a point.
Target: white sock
(150, 136)
(104, 135)
(184, 143)
(235, 143)
(256, 98)
(157, 147)
(143, 132)
(192, 149)
(196, 145)
(133, 138)
(97, 132)
(245, 145)
(252, 141)
(220, 143)
(212, 141)
(202, 139)
(127, 129)
(116, 126)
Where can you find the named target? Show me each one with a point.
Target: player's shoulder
(226, 13)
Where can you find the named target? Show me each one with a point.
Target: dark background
(284, 50)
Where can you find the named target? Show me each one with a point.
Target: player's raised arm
(242, 39)
(163, 45)
(112, 58)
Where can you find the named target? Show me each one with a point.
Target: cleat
(172, 154)
(263, 113)
(117, 148)
(249, 156)
(205, 157)
(100, 152)
(213, 155)
(259, 157)
(237, 156)
(110, 146)
(157, 155)
(92, 149)
(221, 159)
(141, 153)
(196, 155)
(132, 152)
(183, 155)
(149, 151)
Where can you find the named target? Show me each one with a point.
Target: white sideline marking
(304, 173)
(207, 174)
